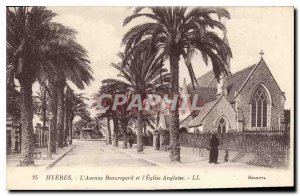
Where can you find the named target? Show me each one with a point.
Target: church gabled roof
(236, 80)
(205, 94)
(185, 122)
(254, 67)
(202, 114)
(234, 83)
(204, 80)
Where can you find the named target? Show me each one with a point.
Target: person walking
(213, 149)
(130, 140)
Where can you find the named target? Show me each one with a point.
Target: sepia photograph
(149, 98)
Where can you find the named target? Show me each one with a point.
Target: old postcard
(149, 98)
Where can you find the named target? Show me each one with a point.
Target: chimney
(221, 86)
(186, 101)
(184, 88)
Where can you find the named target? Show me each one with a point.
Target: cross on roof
(261, 53)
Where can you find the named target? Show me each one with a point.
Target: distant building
(13, 134)
(41, 135)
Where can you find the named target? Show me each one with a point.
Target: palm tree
(98, 124)
(148, 119)
(77, 70)
(108, 114)
(75, 107)
(124, 117)
(52, 108)
(108, 131)
(176, 32)
(66, 120)
(70, 63)
(116, 130)
(27, 38)
(116, 115)
(101, 116)
(142, 75)
(69, 97)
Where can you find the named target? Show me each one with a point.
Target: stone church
(249, 99)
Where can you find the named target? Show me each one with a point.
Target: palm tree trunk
(124, 124)
(116, 131)
(70, 130)
(139, 132)
(27, 157)
(145, 128)
(44, 110)
(174, 124)
(53, 110)
(66, 126)
(60, 114)
(145, 141)
(108, 130)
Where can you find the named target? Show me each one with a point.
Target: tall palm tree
(176, 32)
(69, 96)
(75, 69)
(60, 113)
(39, 49)
(56, 59)
(26, 42)
(70, 63)
(116, 130)
(108, 131)
(76, 107)
(51, 106)
(142, 75)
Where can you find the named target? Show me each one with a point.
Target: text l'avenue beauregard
(146, 177)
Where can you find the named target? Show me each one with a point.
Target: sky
(250, 30)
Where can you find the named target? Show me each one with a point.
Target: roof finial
(261, 54)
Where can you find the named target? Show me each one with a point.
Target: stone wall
(222, 108)
(265, 160)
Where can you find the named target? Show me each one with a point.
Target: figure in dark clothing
(158, 143)
(213, 149)
(130, 140)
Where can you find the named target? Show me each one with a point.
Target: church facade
(249, 99)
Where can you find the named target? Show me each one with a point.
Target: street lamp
(49, 153)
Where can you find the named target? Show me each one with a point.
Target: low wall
(265, 160)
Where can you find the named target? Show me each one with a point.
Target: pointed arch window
(221, 125)
(259, 108)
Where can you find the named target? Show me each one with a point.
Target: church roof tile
(202, 114)
(234, 83)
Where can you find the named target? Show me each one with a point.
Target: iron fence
(267, 141)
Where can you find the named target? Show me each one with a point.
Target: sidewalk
(161, 158)
(40, 161)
